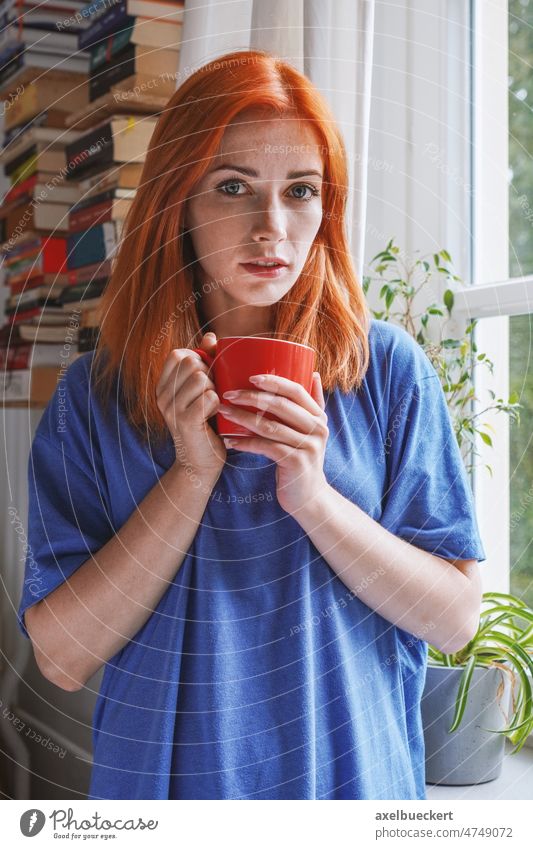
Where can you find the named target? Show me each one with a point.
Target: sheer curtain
(328, 40)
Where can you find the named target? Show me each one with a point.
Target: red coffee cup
(237, 358)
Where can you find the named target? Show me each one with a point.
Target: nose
(268, 222)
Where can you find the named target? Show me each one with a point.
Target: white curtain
(330, 41)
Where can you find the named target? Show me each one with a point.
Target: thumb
(209, 341)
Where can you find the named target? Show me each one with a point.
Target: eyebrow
(292, 175)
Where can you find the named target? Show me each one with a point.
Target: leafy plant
(505, 639)
(454, 359)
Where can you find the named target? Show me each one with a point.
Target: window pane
(521, 458)
(520, 137)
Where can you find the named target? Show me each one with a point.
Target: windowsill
(514, 782)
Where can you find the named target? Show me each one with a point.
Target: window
(520, 137)
(521, 263)
(521, 459)
(502, 295)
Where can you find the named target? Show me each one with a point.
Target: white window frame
(494, 297)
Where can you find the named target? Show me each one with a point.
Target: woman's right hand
(186, 398)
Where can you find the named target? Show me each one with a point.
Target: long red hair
(149, 304)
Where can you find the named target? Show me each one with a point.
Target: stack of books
(37, 37)
(43, 79)
(74, 149)
(133, 47)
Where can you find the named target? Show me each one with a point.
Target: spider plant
(505, 639)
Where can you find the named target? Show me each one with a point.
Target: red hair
(153, 271)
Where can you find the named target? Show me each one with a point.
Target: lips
(269, 271)
(278, 262)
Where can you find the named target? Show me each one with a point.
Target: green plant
(454, 359)
(505, 639)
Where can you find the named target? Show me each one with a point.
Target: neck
(241, 321)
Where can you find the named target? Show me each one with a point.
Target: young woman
(261, 610)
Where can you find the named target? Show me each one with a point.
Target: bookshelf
(81, 86)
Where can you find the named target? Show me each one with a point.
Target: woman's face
(260, 199)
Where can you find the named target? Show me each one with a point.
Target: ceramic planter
(470, 754)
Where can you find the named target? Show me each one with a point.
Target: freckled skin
(252, 216)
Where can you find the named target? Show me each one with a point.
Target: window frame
(494, 296)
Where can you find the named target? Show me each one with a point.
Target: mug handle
(207, 358)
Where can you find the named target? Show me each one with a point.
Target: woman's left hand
(297, 444)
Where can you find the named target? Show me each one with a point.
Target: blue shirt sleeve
(67, 514)
(428, 499)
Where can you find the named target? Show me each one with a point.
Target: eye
(314, 191)
(228, 188)
(229, 184)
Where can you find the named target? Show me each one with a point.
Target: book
(49, 138)
(50, 252)
(136, 65)
(61, 95)
(30, 387)
(120, 139)
(48, 40)
(82, 292)
(40, 185)
(164, 30)
(90, 317)
(41, 157)
(31, 63)
(47, 217)
(109, 194)
(46, 119)
(124, 177)
(48, 333)
(104, 51)
(35, 295)
(22, 305)
(94, 271)
(54, 283)
(165, 9)
(96, 244)
(111, 209)
(55, 14)
(46, 314)
(114, 103)
(25, 355)
(50, 161)
(87, 338)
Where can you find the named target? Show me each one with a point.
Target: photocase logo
(32, 822)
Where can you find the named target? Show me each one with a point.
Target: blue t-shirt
(259, 675)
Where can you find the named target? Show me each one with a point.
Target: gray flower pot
(470, 754)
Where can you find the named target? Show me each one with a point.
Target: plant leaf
(462, 693)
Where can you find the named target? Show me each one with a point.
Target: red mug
(237, 358)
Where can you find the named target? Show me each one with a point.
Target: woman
(261, 610)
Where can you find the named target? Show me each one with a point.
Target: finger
(209, 342)
(183, 362)
(289, 389)
(204, 406)
(265, 427)
(283, 408)
(255, 445)
(317, 392)
(196, 384)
